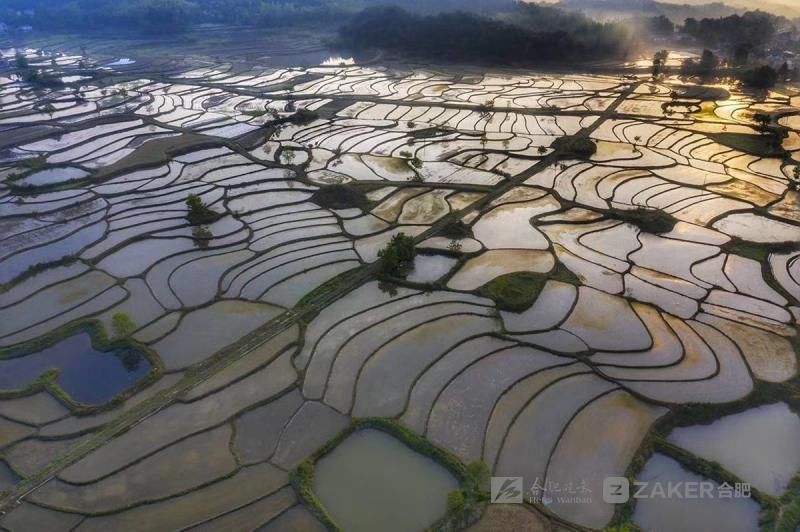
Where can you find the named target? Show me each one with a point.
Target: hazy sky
(789, 8)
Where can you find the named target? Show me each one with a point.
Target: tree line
(533, 34)
(171, 16)
(151, 16)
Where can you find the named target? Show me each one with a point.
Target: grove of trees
(534, 34)
(754, 28)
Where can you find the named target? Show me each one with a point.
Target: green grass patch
(30, 165)
(327, 290)
(757, 251)
(122, 324)
(653, 221)
(255, 113)
(303, 117)
(340, 197)
(428, 133)
(515, 292)
(38, 268)
(759, 145)
(623, 527)
(571, 147)
(302, 479)
(563, 274)
(787, 517)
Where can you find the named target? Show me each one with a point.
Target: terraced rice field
(263, 335)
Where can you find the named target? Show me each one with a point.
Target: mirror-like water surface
(87, 375)
(761, 445)
(371, 481)
(684, 514)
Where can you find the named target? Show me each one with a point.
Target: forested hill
(532, 34)
(171, 15)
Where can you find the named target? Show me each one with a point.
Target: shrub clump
(456, 230)
(465, 505)
(652, 221)
(575, 147)
(199, 212)
(398, 256)
(515, 292)
(340, 197)
(303, 117)
(122, 324)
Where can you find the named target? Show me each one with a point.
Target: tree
(21, 61)
(763, 77)
(762, 119)
(575, 147)
(708, 63)
(659, 60)
(741, 55)
(660, 25)
(753, 27)
(201, 236)
(161, 16)
(130, 358)
(529, 33)
(398, 254)
(199, 212)
(691, 26)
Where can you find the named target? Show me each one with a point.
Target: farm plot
(560, 310)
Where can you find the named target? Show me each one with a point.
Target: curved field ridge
(667, 271)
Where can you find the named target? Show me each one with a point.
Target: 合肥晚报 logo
(506, 490)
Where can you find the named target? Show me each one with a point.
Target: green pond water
(372, 481)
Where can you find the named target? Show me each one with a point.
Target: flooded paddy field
(659, 276)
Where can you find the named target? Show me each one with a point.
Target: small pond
(87, 375)
(684, 514)
(371, 481)
(760, 445)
